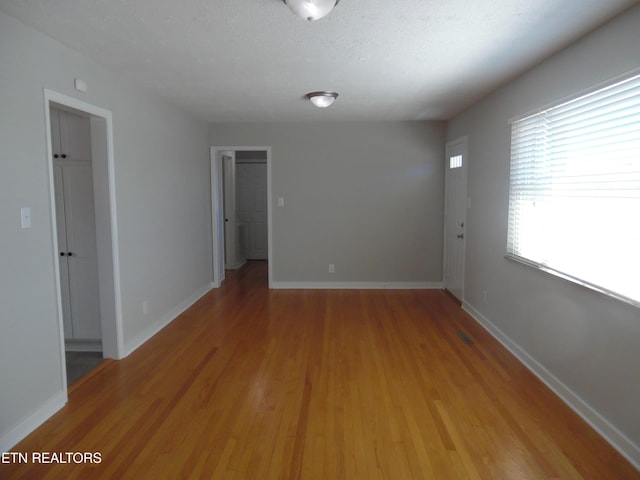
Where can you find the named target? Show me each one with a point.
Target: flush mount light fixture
(311, 9)
(322, 99)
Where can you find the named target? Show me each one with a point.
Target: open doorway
(79, 145)
(241, 209)
(76, 232)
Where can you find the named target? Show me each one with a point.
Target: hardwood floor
(342, 384)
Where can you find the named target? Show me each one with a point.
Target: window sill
(571, 279)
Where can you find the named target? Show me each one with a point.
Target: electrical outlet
(485, 297)
(145, 307)
(332, 268)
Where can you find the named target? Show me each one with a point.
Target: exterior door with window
(455, 216)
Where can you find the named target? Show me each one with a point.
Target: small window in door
(455, 161)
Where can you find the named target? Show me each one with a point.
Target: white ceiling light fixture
(311, 9)
(322, 99)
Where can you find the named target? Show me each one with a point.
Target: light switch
(25, 217)
(281, 201)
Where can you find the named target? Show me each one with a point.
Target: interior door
(455, 216)
(230, 228)
(75, 136)
(81, 255)
(62, 246)
(217, 216)
(252, 207)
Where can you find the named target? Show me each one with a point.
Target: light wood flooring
(341, 384)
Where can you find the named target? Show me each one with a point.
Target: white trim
(114, 240)
(166, 319)
(216, 186)
(357, 285)
(217, 233)
(115, 346)
(33, 421)
(568, 98)
(54, 240)
(609, 432)
(269, 219)
(571, 278)
(237, 266)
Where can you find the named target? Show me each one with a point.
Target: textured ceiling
(253, 60)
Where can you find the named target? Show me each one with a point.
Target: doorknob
(69, 254)
(62, 254)
(461, 235)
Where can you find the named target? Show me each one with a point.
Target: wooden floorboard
(252, 383)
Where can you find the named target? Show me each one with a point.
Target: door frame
(106, 224)
(217, 209)
(464, 142)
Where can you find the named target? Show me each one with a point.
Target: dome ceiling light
(322, 99)
(311, 9)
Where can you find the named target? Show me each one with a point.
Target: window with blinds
(574, 203)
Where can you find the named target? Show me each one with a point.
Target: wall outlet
(332, 268)
(485, 297)
(145, 307)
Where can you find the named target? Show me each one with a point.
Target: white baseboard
(358, 285)
(236, 266)
(165, 320)
(9, 439)
(609, 432)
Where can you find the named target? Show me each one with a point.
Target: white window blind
(574, 205)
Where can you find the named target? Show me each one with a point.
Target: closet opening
(83, 220)
(76, 231)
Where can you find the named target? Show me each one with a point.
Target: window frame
(541, 266)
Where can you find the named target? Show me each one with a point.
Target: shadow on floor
(81, 363)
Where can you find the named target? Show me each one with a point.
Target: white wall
(588, 342)
(163, 211)
(365, 196)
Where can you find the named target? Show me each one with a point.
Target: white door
(62, 246)
(455, 216)
(251, 182)
(70, 136)
(77, 245)
(230, 221)
(217, 216)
